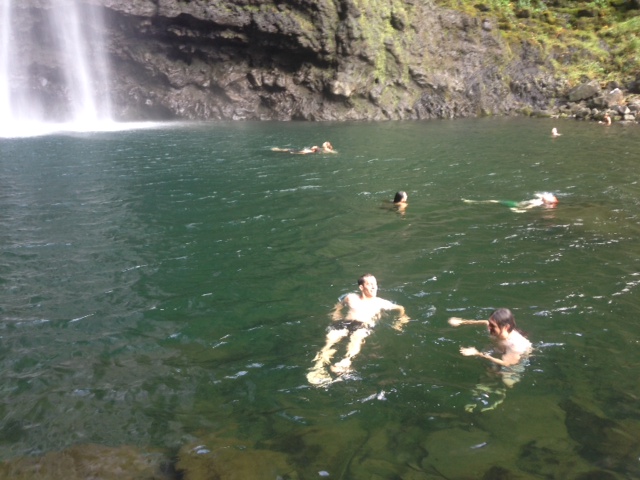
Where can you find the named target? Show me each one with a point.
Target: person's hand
(469, 351)
(455, 321)
(398, 324)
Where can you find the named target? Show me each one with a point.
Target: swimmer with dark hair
(363, 310)
(502, 330)
(512, 346)
(400, 201)
(543, 199)
(401, 197)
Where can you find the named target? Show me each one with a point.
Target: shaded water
(163, 286)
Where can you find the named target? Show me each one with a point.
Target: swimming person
(326, 148)
(606, 120)
(363, 310)
(304, 151)
(400, 201)
(542, 199)
(513, 347)
(554, 132)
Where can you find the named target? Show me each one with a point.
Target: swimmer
(400, 201)
(542, 199)
(554, 132)
(364, 309)
(606, 120)
(304, 151)
(509, 342)
(328, 148)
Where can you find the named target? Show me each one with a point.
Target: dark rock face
(311, 60)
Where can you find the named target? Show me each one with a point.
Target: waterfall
(53, 67)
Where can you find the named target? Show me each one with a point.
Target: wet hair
(401, 196)
(363, 278)
(503, 318)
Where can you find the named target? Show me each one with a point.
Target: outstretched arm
(457, 321)
(507, 361)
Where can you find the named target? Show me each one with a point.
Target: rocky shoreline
(589, 101)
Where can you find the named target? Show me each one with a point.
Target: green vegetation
(596, 39)
(377, 27)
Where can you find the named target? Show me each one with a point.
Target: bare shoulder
(350, 298)
(386, 304)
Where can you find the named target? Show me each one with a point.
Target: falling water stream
(73, 32)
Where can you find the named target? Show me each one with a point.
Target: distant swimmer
(542, 199)
(304, 151)
(363, 310)
(512, 347)
(606, 120)
(326, 148)
(400, 201)
(554, 132)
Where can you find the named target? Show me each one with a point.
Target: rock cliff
(312, 60)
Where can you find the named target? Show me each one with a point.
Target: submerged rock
(614, 445)
(83, 462)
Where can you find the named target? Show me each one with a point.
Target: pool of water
(165, 287)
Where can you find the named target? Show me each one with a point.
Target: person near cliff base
(554, 132)
(512, 347)
(363, 310)
(606, 120)
(542, 199)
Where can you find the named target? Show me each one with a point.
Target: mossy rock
(230, 460)
(96, 462)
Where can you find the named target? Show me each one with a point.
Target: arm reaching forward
(457, 321)
(511, 358)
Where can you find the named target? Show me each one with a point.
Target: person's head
(549, 199)
(502, 320)
(327, 146)
(400, 197)
(368, 285)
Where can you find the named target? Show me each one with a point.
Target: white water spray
(53, 68)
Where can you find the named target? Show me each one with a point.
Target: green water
(164, 287)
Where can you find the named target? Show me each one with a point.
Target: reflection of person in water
(513, 347)
(543, 199)
(363, 310)
(326, 148)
